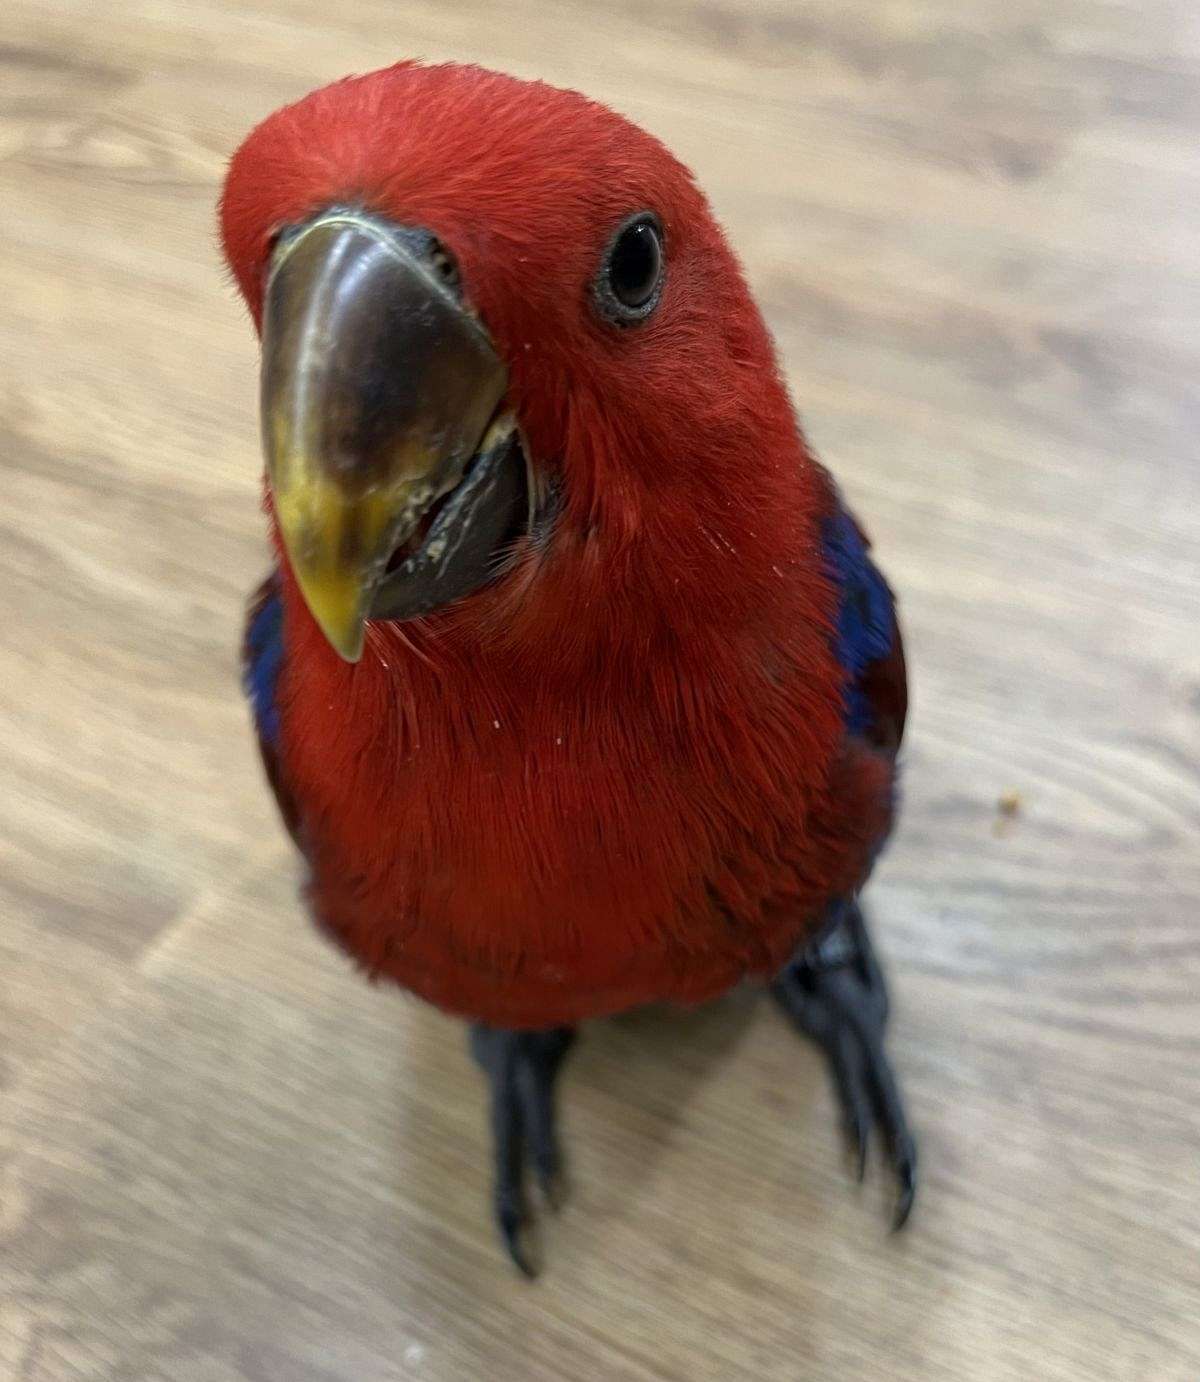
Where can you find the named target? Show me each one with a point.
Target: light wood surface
(973, 225)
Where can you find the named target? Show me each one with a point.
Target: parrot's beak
(380, 396)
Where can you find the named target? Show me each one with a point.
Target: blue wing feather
(262, 661)
(867, 638)
(262, 657)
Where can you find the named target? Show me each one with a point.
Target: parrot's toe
(522, 1068)
(834, 992)
(554, 1187)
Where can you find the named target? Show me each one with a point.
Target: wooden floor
(975, 228)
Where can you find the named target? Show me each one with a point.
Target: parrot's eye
(443, 264)
(630, 281)
(275, 238)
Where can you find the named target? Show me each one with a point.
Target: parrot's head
(502, 337)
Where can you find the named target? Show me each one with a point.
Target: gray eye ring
(629, 284)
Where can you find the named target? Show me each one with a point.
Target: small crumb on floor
(1008, 810)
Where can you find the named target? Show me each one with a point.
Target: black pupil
(635, 263)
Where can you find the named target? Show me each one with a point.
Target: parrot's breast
(531, 861)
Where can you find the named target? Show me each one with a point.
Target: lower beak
(378, 387)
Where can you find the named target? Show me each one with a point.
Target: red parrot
(574, 679)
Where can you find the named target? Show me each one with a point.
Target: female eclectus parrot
(574, 680)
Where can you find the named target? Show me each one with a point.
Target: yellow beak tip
(348, 649)
(336, 605)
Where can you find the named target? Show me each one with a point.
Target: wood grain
(973, 227)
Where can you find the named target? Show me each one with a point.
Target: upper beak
(377, 389)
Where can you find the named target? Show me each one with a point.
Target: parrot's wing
(867, 640)
(262, 657)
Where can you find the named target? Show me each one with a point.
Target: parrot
(574, 678)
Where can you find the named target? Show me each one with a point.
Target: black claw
(904, 1204)
(521, 1069)
(836, 995)
(512, 1231)
(904, 1161)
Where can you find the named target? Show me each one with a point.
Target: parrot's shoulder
(867, 640)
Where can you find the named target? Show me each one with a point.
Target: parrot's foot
(521, 1068)
(834, 992)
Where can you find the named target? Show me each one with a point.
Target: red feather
(621, 773)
